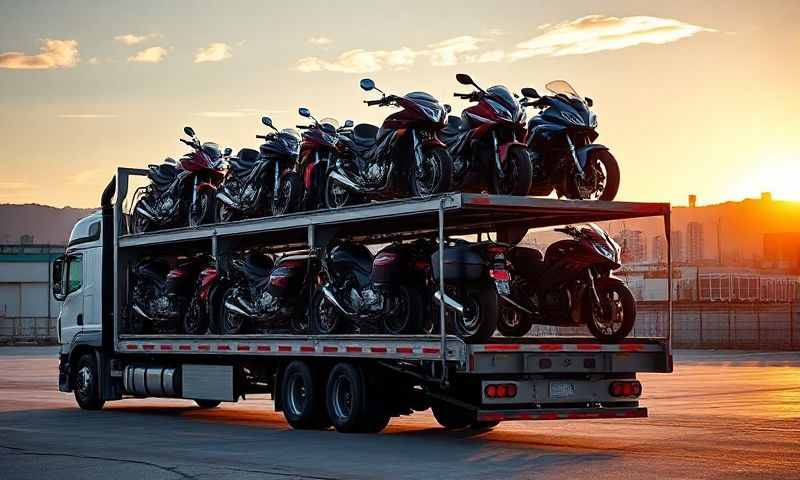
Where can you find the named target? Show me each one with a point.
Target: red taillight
(500, 275)
(625, 389)
(496, 249)
(421, 264)
(501, 390)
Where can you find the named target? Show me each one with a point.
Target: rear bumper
(561, 414)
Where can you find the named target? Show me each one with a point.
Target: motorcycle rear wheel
(336, 195)
(613, 321)
(479, 320)
(231, 323)
(409, 318)
(195, 320)
(435, 175)
(139, 223)
(223, 213)
(324, 318)
(511, 323)
(518, 174)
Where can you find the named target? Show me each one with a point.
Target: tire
(324, 318)
(411, 317)
(518, 174)
(511, 323)
(206, 404)
(483, 425)
(303, 398)
(479, 320)
(436, 175)
(86, 383)
(335, 195)
(452, 417)
(354, 405)
(290, 195)
(203, 212)
(612, 174)
(611, 290)
(139, 223)
(229, 322)
(597, 158)
(195, 320)
(223, 213)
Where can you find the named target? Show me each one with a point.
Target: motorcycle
(474, 275)
(403, 156)
(263, 294)
(570, 285)
(386, 293)
(487, 142)
(262, 183)
(160, 295)
(180, 194)
(197, 319)
(560, 141)
(319, 149)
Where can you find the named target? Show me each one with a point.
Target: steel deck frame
(441, 216)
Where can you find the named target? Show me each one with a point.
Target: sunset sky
(692, 97)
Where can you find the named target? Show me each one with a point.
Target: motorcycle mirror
(464, 79)
(228, 151)
(448, 108)
(348, 124)
(267, 121)
(188, 131)
(304, 112)
(367, 84)
(589, 101)
(530, 93)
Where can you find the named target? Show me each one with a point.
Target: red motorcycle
(180, 194)
(197, 319)
(487, 142)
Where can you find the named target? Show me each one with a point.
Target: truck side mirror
(58, 279)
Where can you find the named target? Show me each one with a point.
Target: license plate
(503, 288)
(561, 389)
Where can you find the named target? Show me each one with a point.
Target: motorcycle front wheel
(195, 320)
(517, 174)
(408, 317)
(600, 180)
(139, 222)
(202, 212)
(434, 175)
(613, 319)
(230, 322)
(336, 195)
(288, 199)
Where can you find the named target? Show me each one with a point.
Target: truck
(353, 382)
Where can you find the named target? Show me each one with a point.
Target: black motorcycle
(571, 285)
(180, 194)
(560, 141)
(262, 295)
(384, 294)
(404, 156)
(474, 275)
(262, 183)
(160, 295)
(487, 142)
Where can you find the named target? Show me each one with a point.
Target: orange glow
(778, 173)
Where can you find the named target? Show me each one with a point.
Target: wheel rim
(232, 321)
(398, 322)
(283, 197)
(298, 395)
(226, 213)
(470, 320)
(510, 318)
(593, 183)
(342, 397)
(85, 382)
(427, 176)
(327, 316)
(609, 316)
(193, 318)
(140, 222)
(510, 175)
(338, 196)
(199, 211)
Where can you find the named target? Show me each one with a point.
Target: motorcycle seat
(364, 134)
(163, 174)
(257, 265)
(244, 161)
(154, 270)
(525, 260)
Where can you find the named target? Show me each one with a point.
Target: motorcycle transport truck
(355, 382)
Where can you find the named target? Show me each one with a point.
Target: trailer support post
(442, 322)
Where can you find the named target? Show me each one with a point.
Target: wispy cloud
(53, 54)
(319, 40)
(240, 112)
(216, 52)
(149, 55)
(87, 115)
(133, 39)
(595, 33)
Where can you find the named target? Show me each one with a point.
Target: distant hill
(47, 224)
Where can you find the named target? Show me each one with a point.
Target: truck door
(72, 310)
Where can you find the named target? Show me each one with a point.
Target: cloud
(238, 113)
(216, 52)
(319, 40)
(149, 55)
(132, 39)
(87, 115)
(595, 33)
(54, 54)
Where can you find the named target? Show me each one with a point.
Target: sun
(778, 174)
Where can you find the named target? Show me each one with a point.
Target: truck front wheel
(86, 383)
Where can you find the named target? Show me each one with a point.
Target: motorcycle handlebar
(462, 95)
(187, 142)
(263, 137)
(373, 102)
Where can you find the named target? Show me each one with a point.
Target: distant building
(658, 251)
(677, 246)
(634, 247)
(782, 250)
(26, 239)
(694, 242)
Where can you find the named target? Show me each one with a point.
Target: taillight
(500, 390)
(625, 389)
(421, 264)
(500, 275)
(496, 249)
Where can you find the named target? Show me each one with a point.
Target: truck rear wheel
(354, 405)
(303, 398)
(452, 417)
(86, 383)
(207, 403)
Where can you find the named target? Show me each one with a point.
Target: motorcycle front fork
(574, 156)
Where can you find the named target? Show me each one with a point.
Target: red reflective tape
(243, 348)
(548, 416)
(430, 350)
(328, 349)
(132, 346)
(551, 347)
(184, 347)
(306, 348)
(378, 349)
(223, 347)
(404, 350)
(166, 346)
(631, 347)
(354, 349)
(204, 347)
(501, 347)
(588, 346)
(284, 348)
(481, 201)
(148, 346)
(263, 348)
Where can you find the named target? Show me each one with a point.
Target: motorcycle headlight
(592, 120)
(434, 113)
(329, 138)
(500, 110)
(572, 118)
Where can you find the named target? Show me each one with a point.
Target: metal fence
(28, 329)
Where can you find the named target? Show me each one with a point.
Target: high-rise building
(677, 246)
(694, 242)
(634, 248)
(658, 251)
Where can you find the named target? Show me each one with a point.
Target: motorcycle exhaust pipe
(144, 209)
(346, 182)
(515, 304)
(138, 309)
(329, 296)
(237, 309)
(449, 302)
(226, 200)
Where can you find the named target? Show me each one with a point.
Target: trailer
(354, 382)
